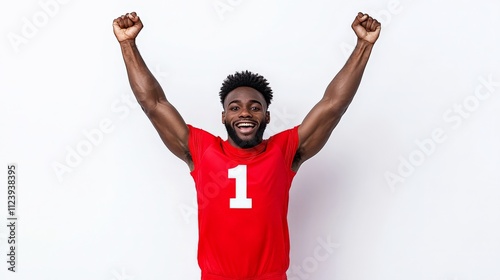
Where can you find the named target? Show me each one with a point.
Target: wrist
(127, 43)
(363, 44)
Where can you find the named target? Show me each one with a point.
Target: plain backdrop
(408, 186)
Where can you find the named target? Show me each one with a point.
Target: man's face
(245, 116)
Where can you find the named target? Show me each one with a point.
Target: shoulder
(288, 143)
(200, 139)
(198, 143)
(195, 132)
(290, 134)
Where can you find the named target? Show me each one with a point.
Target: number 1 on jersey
(241, 200)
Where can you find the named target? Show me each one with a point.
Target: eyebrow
(239, 101)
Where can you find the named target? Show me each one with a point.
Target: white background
(123, 208)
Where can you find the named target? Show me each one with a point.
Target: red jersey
(242, 199)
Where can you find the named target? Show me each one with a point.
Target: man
(243, 183)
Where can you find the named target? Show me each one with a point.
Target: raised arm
(148, 92)
(319, 123)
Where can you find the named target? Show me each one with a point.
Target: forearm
(146, 88)
(344, 85)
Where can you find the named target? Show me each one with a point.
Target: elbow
(337, 107)
(147, 105)
(147, 97)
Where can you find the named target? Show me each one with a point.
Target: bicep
(316, 128)
(172, 129)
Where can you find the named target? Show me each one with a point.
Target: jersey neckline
(244, 153)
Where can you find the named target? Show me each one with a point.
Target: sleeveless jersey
(242, 197)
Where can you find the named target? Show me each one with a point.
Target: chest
(258, 182)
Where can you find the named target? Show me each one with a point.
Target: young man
(242, 183)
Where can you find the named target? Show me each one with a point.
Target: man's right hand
(127, 27)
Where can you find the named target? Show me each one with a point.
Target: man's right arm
(165, 118)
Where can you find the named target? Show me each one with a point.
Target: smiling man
(245, 112)
(243, 183)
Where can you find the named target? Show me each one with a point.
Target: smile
(245, 124)
(245, 127)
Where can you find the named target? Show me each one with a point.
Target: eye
(234, 108)
(255, 108)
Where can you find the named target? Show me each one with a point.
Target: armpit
(297, 160)
(189, 160)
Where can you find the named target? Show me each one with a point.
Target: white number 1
(241, 200)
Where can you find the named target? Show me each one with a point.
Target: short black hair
(246, 79)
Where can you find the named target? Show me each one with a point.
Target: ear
(268, 117)
(223, 117)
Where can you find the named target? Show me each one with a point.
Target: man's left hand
(366, 28)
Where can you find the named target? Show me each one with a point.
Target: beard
(245, 144)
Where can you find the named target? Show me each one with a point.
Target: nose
(245, 113)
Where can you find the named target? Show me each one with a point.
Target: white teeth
(246, 125)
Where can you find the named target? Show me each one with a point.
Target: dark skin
(245, 104)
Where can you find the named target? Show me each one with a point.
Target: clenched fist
(127, 27)
(366, 28)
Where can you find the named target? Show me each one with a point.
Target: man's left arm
(326, 114)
